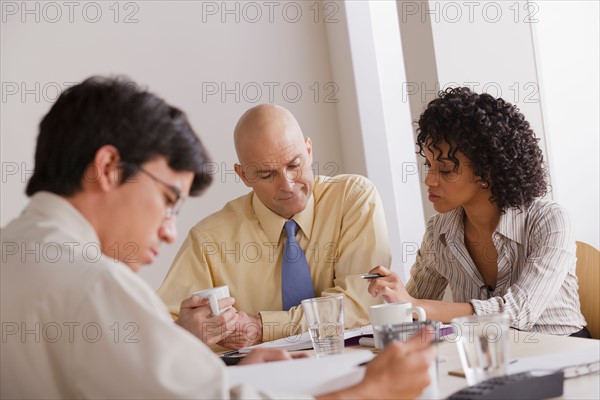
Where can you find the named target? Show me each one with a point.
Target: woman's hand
(389, 286)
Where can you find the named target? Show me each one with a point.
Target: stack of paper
(302, 340)
(312, 376)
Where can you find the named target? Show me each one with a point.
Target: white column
(367, 62)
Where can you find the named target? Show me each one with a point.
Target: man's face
(278, 169)
(139, 224)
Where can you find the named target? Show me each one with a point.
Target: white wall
(176, 49)
(180, 48)
(569, 71)
(375, 123)
(541, 56)
(487, 46)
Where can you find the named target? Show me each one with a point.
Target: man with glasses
(112, 168)
(175, 202)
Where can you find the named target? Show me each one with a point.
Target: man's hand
(400, 371)
(402, 368)
(196, 317)
(389, 286)
(248, 331)
(258, 356)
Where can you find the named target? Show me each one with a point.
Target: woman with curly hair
(495, 242)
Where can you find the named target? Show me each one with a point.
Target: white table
(319, 376)
(523, 344)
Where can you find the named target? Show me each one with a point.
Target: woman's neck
(483, 218)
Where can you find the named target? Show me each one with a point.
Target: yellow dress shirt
(342, 233)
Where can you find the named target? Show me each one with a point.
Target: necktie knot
(291, 227)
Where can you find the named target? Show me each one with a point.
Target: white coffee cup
(213, 295)
(392, 314)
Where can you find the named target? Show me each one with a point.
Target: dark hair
(115, 111)
(494, 136)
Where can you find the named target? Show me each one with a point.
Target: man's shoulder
(226, 219)
(344, 184)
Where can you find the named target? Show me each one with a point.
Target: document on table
(302, 341)
(556, 361)
(312, 376)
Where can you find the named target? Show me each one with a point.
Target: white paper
(312, 376)
(302, 340)
(554, 361)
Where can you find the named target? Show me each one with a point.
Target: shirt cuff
(277, 325)
(483, 307)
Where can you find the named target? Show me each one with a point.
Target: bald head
(265, 124)
(275, 159)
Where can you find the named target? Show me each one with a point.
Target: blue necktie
(296, 283)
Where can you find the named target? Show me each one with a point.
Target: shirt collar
(272, 223)
(69, 219)
(453, 229)
(511, 223)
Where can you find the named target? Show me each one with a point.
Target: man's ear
(308, 143)
(104, 173)
(241, 173)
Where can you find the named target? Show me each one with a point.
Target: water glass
(482, 346)
(325, 320)
(403, 332)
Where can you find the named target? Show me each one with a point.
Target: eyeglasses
(172, 210)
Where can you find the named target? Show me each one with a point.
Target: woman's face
(450, 186)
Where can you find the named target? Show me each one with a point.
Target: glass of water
(325, 320)
(482, 346)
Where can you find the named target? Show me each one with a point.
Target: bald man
(338, 223)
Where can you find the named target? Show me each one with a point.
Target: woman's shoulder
(542, 218)
(544, 210)
(445, 223)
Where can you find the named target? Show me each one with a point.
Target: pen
(232, 357)
(434, 342)
(371, 276)
(230, 353)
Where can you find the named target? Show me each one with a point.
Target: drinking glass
(325, 320)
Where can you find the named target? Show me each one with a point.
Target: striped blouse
(536, 285)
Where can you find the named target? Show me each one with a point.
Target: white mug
(213, 295)
(392, 314)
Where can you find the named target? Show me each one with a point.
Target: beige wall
(182, 51)
(185, 51)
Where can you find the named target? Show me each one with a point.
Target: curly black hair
(494, 136)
